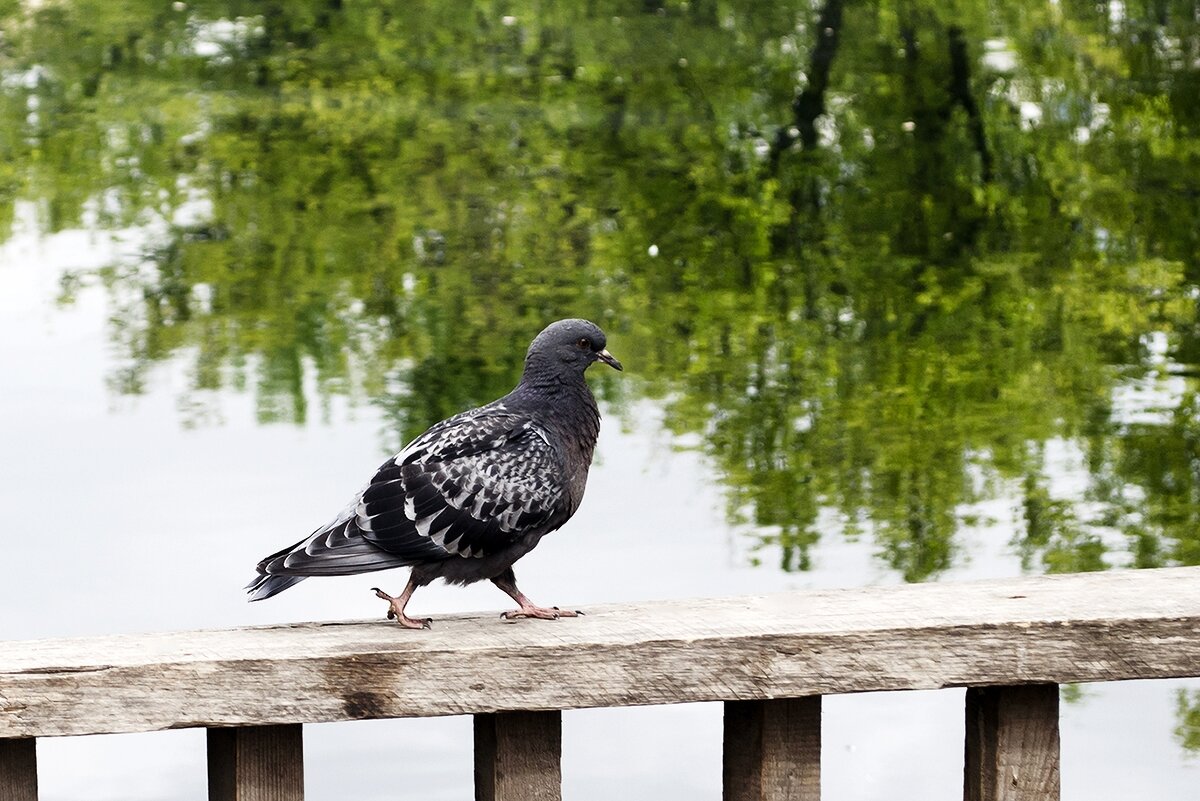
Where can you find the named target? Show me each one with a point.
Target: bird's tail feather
(264, 586)
(335, 550)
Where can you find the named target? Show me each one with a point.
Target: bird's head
(569, 345)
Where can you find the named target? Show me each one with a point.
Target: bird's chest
(576, 484)
(572, 429)
(577, 461)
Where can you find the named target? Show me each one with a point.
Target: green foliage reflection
(1187, 712)
(885, 260)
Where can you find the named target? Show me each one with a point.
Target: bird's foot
(396, 611)
(539, 612)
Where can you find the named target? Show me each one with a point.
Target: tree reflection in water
(885, 261)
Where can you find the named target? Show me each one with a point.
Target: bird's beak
(609, 359)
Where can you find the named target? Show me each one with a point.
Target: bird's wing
(470, 486)
(467, 487)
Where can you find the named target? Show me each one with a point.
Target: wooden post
(518, 756)
(256, 763)
(18, 769)
(1012, 750)
(773, 750)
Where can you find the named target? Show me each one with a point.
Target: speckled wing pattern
(468, 487)
(471, 486)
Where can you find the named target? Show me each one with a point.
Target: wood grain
(518, 756)
(1088, 627)
(18, 770)
(772, 750)
(256, 763)
(1012, 747)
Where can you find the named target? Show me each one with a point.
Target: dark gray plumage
(474, 493)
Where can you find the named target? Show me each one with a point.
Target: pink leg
(396, 607)
(507, 581)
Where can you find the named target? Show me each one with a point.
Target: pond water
(903, 294)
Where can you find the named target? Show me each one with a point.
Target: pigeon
(473, 494)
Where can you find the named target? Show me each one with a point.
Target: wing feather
(468, 487)
(472, 486)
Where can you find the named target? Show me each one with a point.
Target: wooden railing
(770, 659)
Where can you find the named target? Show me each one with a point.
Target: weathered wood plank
(256, 763)
(772, 750)
(518, 756)
(1012, 749)
(1089, 627)
(18, 770)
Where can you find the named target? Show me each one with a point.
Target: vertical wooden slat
(256, 763)
(772, 750)
(18, 769)
(518, 756)
(1012, 748)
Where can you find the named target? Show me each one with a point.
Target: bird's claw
(539, 612)
(411, 623)
(396, 613)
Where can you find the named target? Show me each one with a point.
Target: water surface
(903, 294)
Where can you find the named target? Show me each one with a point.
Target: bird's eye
(584, 343)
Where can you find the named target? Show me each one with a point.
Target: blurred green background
(877, 256)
